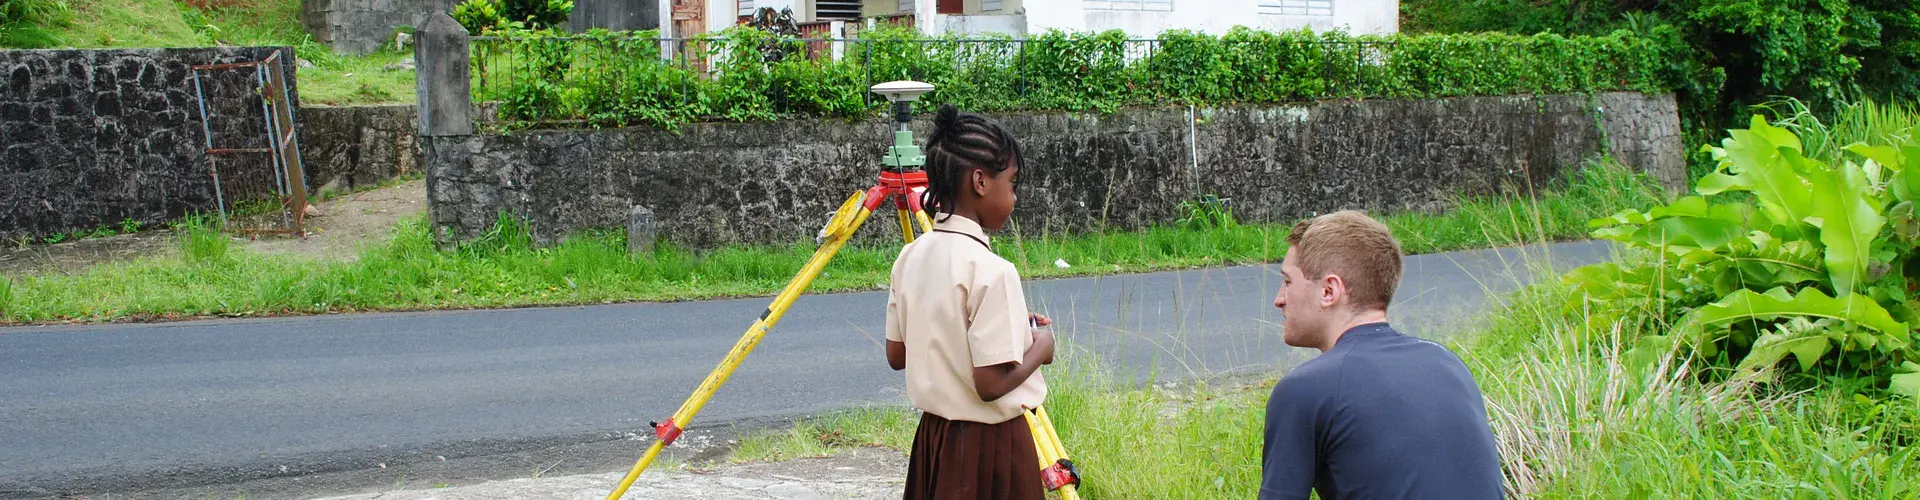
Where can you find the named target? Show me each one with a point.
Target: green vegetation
(332, 79)
(1575, 420)
(1814, 261)
(1726, 55)
(30, 23)
(614, 79)
(881, 426)
(126, 226)
(478, 16)
(504, 268)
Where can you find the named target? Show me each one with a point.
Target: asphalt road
(126, 407)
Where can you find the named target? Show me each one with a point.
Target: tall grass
(504, 268)
(887, 427)
(1865, 121)
(32, 24)
(1197, 442)
(6, 294)
(1575, 421)
(202, 240)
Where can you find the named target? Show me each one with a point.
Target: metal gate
(258, 182)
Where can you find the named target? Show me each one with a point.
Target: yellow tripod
(902, 180)
(1056, 470)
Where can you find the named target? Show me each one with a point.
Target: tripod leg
(1055, 467)
(906, 225)
(845, 222)
(919, 213)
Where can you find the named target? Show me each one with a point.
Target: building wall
(1007, 7)
(1209, 16)
(1355, 16)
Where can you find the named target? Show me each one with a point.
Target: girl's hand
(1042, 345)
(1038, 320)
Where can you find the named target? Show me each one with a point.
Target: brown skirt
(960, 460)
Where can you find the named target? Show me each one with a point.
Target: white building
(1138, 18)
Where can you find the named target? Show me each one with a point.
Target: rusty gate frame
(283, 142)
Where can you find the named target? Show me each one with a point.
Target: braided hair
(962, 142)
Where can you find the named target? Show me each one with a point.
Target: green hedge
(617, 79)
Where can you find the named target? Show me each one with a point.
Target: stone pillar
(440, 55)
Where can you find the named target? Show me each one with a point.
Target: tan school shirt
(957, 306)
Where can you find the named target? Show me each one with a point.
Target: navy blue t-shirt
(1381, 415)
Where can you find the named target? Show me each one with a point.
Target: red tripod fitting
(907, 185)
(1061, 473)
(667, 432)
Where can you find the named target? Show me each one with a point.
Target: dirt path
(346, 224)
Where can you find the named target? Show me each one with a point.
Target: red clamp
(1061, 473)
(667, 432)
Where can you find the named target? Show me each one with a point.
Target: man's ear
(1333, 290)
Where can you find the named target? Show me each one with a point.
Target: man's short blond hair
(1360, 250)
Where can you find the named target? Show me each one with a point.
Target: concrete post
(925, 18)
(640, 230)
(441, 55)
(837, 30)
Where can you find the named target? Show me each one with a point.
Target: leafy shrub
(1726, 54)
(1786, 250)
(480, 16)
(607, 78)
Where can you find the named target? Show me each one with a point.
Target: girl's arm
(897, 354)
(995, 381)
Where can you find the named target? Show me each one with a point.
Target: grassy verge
(1571, 422)
(1575, 422)
(332, 79)
(505, 269)
(128, 23)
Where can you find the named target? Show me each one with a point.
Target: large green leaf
(1716, 183)
(1849, 218)
(1806, 340)
(1907, 381)
(1879, 158)
(1688, 222)
(1754, 163)
(1811, 302)
(1766, 262)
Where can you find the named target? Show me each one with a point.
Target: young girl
(957, 322)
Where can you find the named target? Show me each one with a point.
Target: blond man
(1379, 414)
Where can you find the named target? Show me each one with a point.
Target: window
(1153, 5)
(990, 5)
(1297, 7)
(906, 7)
(746, 8)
